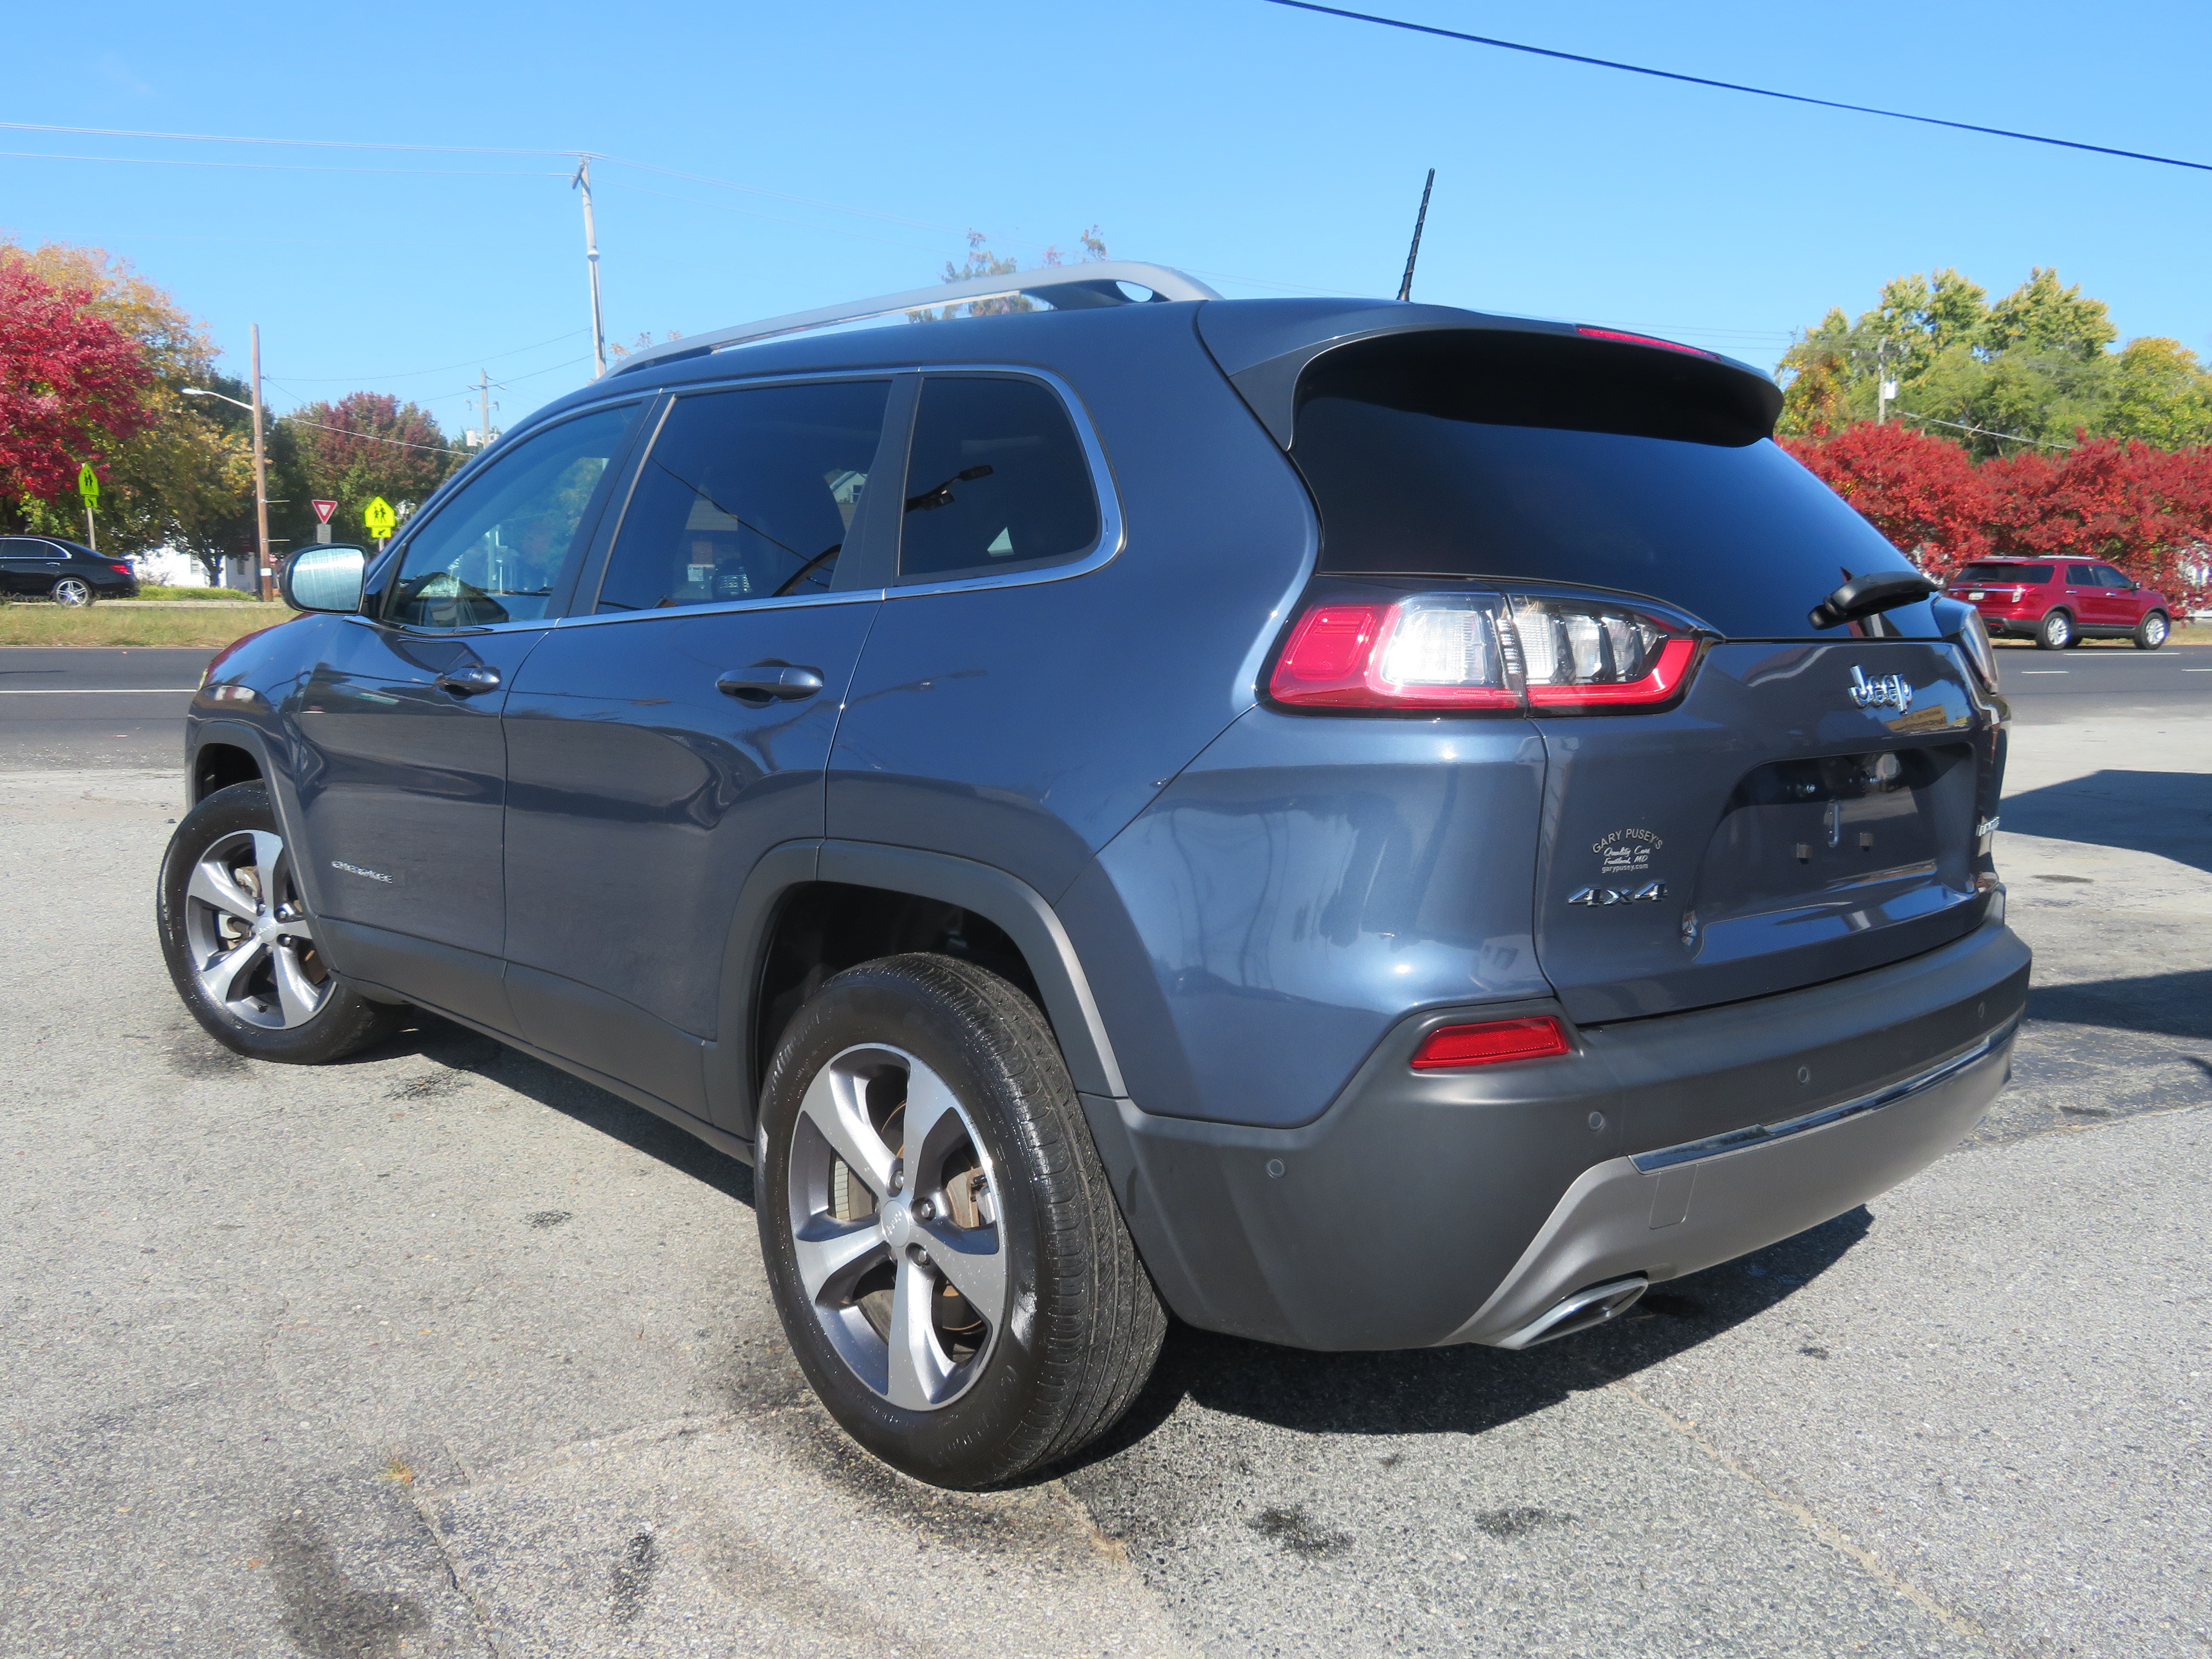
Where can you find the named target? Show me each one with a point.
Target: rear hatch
(1798, 804)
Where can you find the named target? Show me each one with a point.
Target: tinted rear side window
(997, 481)
(746, 495)
(1549, 458)
(2007, 575)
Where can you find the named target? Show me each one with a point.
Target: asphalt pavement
(443, 1351)
(95, 705)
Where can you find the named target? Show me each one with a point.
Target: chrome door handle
(770, 682)
(469, 682)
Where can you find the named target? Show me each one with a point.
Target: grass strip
(120, 624)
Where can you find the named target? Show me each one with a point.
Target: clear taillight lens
(1481, 651)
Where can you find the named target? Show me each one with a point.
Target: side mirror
(324, 577)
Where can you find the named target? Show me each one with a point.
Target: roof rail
(1065, 288)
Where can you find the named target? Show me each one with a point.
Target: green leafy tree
(2033, 369)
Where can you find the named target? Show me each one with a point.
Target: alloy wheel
(2155, 630)
(896, 1226)
(252, 948)
(72, 590)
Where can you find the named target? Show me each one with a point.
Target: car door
(400, 777)
(28, 565)
(661, 744)
(2088, 599)
(2125, 602)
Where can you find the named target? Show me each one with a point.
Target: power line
(1733, 86)
(297, 144)
(273, 166)
(347, 431)
(411, 374)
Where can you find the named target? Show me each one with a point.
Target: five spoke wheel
(251, 947)
(895, 1226)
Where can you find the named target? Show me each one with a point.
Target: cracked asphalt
(441, 1352)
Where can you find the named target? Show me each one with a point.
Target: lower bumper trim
(1763, 1134)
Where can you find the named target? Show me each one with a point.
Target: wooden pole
(260, 481)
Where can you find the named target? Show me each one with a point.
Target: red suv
(2059, 604)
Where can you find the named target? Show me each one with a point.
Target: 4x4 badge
(1649, 892)
(1890, 690)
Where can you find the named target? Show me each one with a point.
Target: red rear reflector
(1643, 339)
(1452, 1048)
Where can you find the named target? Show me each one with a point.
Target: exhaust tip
(1582, 1311)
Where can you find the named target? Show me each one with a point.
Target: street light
(260, 465)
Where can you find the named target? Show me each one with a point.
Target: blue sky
(1271, 150)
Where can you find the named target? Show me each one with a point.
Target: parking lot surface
(442, 1351)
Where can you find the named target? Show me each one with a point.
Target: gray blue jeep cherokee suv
(1358, 824)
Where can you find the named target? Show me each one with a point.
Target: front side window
(997, 481)
(746, 495)
(498, 550)
(2112, 578)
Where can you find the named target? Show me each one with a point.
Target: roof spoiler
(1064, 288)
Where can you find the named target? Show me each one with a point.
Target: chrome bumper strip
(1763, 1135)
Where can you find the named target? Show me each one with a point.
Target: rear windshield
(2002, 573)
(1550, 459)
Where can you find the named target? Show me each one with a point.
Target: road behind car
(445, 1348)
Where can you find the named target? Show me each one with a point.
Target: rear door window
(1540, 458)
(2083, 576)
(996, 481)
(746, 495)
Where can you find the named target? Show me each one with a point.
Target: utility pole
(260, 480)
(1885, 389)
(582, 182)
(483, 388)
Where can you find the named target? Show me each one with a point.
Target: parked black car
(1365, 825)
(48, 568)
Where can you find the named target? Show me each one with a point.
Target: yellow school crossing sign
(379, 518)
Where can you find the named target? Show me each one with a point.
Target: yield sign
(323, 510)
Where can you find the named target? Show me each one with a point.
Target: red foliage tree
(2146, 510)
(1924, 495)
(72, 385)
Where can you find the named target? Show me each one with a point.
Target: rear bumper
(1692, 1206)
(1426, 1209)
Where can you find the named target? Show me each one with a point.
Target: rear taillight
(1493, 1042)
(120, 569)
(1481, 651)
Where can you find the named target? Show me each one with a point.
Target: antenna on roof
(1405, 286)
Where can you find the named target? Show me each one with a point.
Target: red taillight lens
(1481, 651)
(1453, 1047)
(1431, 651)
(120, 569)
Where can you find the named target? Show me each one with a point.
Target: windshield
(1443, 454)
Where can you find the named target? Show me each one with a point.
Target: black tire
(2153, 631)
(71, 590)
(2054, 632)
(284, 1004)
(1080, 1325)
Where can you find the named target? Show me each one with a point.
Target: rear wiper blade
(1869, 595)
